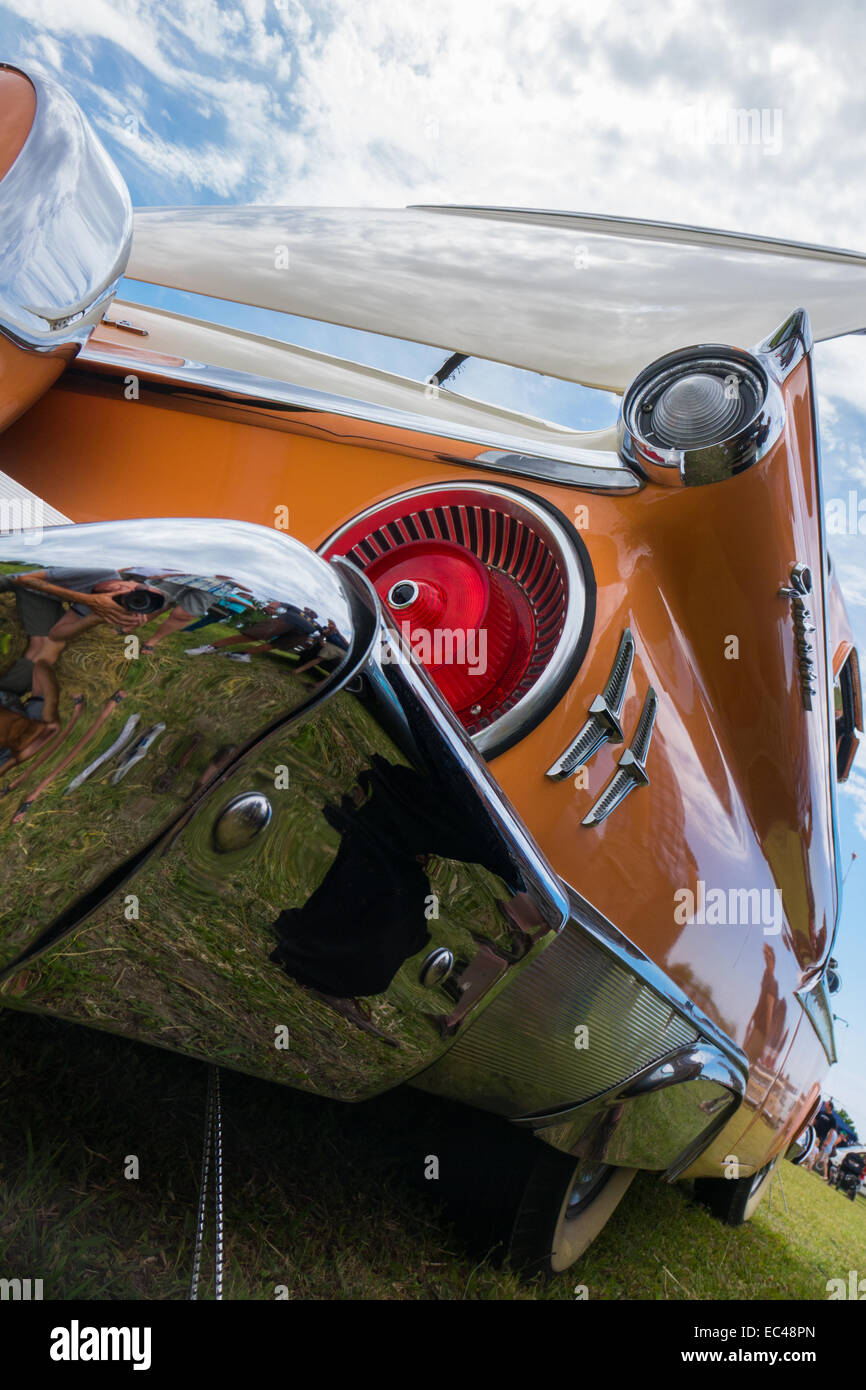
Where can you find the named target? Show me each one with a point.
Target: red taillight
(470, 575)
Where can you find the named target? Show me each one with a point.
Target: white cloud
(46, 53)
(841, 372)
(848, 1088)
(488, 102)
(855, 788)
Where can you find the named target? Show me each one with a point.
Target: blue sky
(278, 101)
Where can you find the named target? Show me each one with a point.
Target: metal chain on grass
(213, 1140)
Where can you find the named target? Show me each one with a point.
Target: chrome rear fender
(295, 862)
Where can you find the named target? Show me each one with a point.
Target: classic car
(360, 731)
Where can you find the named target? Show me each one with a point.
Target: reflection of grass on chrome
(207, 703)
(192, 972)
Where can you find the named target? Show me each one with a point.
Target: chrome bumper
(311, 875)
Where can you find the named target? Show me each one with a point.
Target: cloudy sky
(623, 109)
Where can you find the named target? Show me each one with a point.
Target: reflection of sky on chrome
(306, 103)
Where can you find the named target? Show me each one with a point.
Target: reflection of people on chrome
(57, 604)
(23, 732)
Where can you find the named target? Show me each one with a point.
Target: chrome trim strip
(814, 999)
(645, 226)
(828, 647)
(631, 769)
(603, 724)
(634, 1122)
(589, 469)
(595, 476)
(65, 227)
(785, 348)
(590, 920)
(706, 1061)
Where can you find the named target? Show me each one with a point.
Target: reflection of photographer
(41, 596)
(826, 1124)
(140, 600)
(55, 605)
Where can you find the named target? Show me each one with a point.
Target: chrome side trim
(814, 999)
(661, 1119)
(631, 769)
(826, 629)
(590, 469)
(65, 227)
(596, 472)
(603, 724)
(785, 348)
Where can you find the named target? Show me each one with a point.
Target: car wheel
(517, 1199)
(564, 1207)
(734, 1200)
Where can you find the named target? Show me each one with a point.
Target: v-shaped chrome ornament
(603, 724)
(631, 769)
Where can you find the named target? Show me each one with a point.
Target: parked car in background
(418, 738)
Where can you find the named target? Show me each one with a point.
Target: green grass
(318, 1197)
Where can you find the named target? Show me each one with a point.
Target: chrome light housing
(700, 415)
(65, 227)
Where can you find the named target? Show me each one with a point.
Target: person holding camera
(57, 604)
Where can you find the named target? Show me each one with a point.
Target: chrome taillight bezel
(571, 556)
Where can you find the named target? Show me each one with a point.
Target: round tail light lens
(492, 590)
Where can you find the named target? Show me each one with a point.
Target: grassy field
(318, 1197)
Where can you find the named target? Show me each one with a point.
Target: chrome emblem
(799, 587)
(604, 714)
